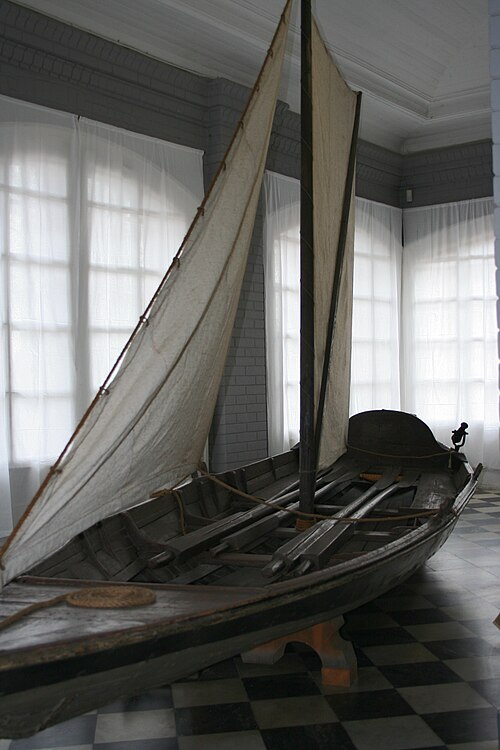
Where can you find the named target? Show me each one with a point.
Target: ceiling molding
(418, 82)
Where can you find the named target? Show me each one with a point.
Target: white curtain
(282, 309)
(375, 347)
(5, 491)
(450, 334)
(93, 216)
(375, 381)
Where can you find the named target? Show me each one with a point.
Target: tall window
(36, 263)
(282, 310)
(450, 328)
(138, 212)
(434, 302)
(375, 377)
(91, 218)
(375, 343)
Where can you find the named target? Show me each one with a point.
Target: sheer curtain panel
(450, 355)
(92, 216)
(375, 381)
(282, 309)
(5, 491)
(376, 308)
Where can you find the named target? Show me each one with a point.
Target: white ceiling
(423, 65)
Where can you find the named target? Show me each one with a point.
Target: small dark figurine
(458, 436)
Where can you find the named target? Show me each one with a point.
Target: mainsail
(334, 109)
(149, 425)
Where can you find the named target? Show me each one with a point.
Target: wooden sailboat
(206, 567)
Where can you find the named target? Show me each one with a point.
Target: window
(434, 302)
(35, 198)
(376, 308)
(91, 218)
(375, 343)
(450, 327)
(282, 310)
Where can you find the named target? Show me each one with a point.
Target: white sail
(334, 106)
(149, 427)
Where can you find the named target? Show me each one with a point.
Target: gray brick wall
(445, 175)
(239, 430)
(47, 62)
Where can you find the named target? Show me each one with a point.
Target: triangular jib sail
(149, 425)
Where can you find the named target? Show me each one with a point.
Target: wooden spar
(339, 264)
(307, 462)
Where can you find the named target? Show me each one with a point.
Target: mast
(307, 461)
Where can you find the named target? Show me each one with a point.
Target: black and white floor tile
(429, 675)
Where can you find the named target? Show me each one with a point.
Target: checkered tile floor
(429, 675)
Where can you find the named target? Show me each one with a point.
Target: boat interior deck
(206, 534)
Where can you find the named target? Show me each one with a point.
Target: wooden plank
(239, 558)
(433, 490)
(286, 464)
(196, 574)
(285, 532)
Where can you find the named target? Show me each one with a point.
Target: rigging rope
(317, 516)
(389, 455)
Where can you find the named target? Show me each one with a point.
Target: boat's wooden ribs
(146, 547)
(183, 547)
(257, 476)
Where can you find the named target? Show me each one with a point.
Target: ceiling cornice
(229, 39)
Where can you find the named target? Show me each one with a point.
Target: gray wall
(47, 62)
(455, 173)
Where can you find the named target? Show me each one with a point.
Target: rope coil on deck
(100, 597)
(111, 597)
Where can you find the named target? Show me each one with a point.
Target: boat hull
(63, 662)
(35, 696)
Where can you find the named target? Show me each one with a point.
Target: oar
(333, 534)
(290, 553)
(181, 548)
(239, 539)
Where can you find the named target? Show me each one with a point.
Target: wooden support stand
(339, 666)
